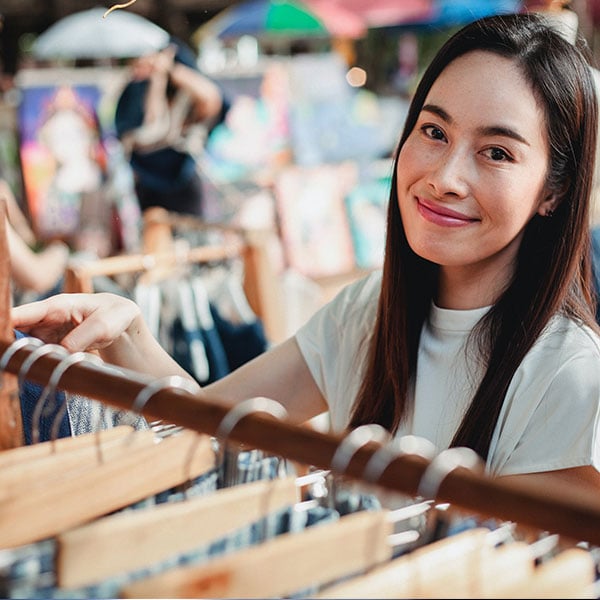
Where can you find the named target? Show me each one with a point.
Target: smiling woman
(471, 175)
(480, 329)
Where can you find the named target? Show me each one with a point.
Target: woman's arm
(114, 326)
(577, 478)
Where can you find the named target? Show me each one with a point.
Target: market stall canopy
(284, 19)
(88, 35)
(435, 13)
(459, 12)
(379, 13)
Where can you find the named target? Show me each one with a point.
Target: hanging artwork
(62, 154)
(314, 224)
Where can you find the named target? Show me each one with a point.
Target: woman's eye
(498, 154)
(433, 132)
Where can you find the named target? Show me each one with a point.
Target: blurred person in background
(163, 117)
(35, 272)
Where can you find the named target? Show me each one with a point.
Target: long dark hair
(553, 270)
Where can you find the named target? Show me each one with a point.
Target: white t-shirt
(550, 418)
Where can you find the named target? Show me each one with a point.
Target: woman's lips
(441, 215)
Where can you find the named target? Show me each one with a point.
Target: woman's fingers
(79, 322)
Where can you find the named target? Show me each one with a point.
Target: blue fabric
(29, 395)
(595, 238)
(241, 342)
(227, 345)
(217, 360)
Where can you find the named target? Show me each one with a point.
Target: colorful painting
(62, 154)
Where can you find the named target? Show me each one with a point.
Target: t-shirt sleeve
(560, 429)
(333, 343)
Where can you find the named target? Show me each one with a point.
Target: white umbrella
(87, 34)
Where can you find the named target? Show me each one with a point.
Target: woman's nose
(450, 173)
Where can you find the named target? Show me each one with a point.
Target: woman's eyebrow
(488, 130)
(437, 110)
(493, 130)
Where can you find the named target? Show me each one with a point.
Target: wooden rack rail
(160, 253)
(561, 510)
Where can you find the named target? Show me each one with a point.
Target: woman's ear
(548, 205)
(552, 197)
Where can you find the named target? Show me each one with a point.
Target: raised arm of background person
(114, 326)
(206, 95)
(15, 215)
(36, 271)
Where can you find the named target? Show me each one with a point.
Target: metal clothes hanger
(296, 561)
(31, 452)
(127, 541)
(102, 488)
(403, 576)
(328, 552)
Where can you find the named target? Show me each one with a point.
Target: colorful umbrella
(284, 19)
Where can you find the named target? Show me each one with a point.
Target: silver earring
(549, 213)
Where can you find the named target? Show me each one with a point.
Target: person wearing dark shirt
(162, 117)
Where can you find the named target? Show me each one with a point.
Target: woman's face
(471, 174)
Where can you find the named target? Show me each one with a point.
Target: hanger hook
(50, 390)
(12, 349)
(242, 409)
(407, 444)
(24, 370)
(152, 388)
(175, 382)
(443, 464)
(77, 358)
(33, 357)
(355, 440)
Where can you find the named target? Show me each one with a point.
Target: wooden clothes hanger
(276, 434)
(27, 454)
(127, 541)
(25, 477)
(295, 561)
(87, 491)
(101, 489)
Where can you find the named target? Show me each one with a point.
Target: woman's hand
(79, 322)
(109, 323)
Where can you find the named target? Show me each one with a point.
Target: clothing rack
(556, 509)
(160, 255)
(11, 429)
(561, 510)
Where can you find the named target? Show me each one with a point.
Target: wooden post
(11, 424)
(262, 286)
